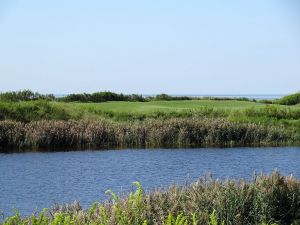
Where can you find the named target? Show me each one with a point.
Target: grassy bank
(42, 109)
(40, 124)
(176, 132)
(265, 200)
(27, 111)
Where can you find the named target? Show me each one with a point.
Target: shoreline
(55, 135)
(266, 199)
(63, 149)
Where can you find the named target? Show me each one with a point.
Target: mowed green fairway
(156, 106)
(165, 106)
(232, 109)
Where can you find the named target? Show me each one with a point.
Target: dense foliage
(165, 97)
(293, 99)
(182, 132)
(102, 97)
(30, 111)
(274, 112)
(110, 96)
(265, 200)
(25, 95)
(28, 95)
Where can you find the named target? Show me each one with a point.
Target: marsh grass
(178, 132)
(28, 111)
(266, 200)
(41, 124)
(238, 111)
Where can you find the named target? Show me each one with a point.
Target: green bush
(293, 99)
(274, 112)
(77, 98)
(25, 95)
(101, 97)
(31, 111)
(165, 97)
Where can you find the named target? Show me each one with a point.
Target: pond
(32, 181)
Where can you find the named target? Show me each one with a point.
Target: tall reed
(177, 132)
(266, 200)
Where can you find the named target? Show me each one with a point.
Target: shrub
(77, 98)
(25, 95)
(293, 99)
(165, 97)
(31, 111)
(102, 97)
(274, 112)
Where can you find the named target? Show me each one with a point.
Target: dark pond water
(36, 180)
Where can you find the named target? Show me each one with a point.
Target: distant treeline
(180, 132)
(102, 97)
(25, 95)
(28, 95)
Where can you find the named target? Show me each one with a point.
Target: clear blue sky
(151, 46)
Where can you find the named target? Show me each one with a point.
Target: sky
(150, 46)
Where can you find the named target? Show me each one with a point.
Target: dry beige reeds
(176, 132)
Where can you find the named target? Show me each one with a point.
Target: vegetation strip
(272, 199)
(34, 121)
(28, 95)
(178, 132)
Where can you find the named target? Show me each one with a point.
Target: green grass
(94, 110)
(123, 114)
(121, 109)
(236, 111)
(165, 106)
(140, 110)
